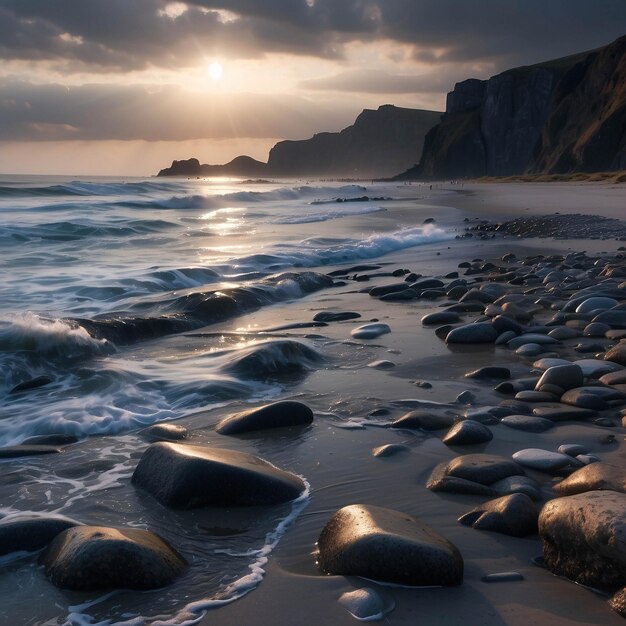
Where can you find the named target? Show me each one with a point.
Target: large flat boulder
(593, 477)
(88, 558)
(514, 515)
(276, 415)
(584, 538)
(387, 545)
(185, 477)
(28, 533)
(484, 469)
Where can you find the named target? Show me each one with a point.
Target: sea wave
(77, 188)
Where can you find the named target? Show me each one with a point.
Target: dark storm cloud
(123, 34)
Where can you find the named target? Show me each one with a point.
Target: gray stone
(28, 533)
(617, 354)
(490, 373)
(465, 397)
(504, 324)
(370, 331)
(335, 316)
(588, 459)
(423, 420)
(390, 449)
(594, 368)
(58, 439)
(284, 414)
(13, 452)
(89, 558)
(472, 333)
(185, 477)
(467, 432)
(381, 364)
(584, 538)
(564, 376)
(536, 396)
(441, 317)
(596, 304)
(440, 481)
(387, 545)
(593, 477)
(614, 378)
(560, 412)
(365, 604)
(530, 349)
(518, 484)
(572, 449)
(596, 329)
(563, 332)
(165, 432)
(542, 460)
(485, 469)
(547, 362)
(613, 318)
(543, 340)
(514, 515)
(505, 337)
(527, 423)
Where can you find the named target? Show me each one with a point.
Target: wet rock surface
(285, 414)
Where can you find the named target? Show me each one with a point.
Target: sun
(215, 70)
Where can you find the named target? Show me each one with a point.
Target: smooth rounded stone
(563, 332)
(364, 604)
(33, 383)
(456, 292)
(564, 376)
(572, 449)
(493, 310)
(387, 545)
(477, 295)
(618, 602)
(604, 421)
(502, 577)
(335, 316)
(165, 432)
(555, 390)
(370, 331)
(185, 477)
(59, 439)
(439, 481)
(530, 349)
(423, 384)
(542, 460)
(401, 296)
(526, 338)
(390, 449)
(89, 558)
(14, 452)
(595, 304)
(381, 364)
(432, 294)
(613, 318)
(467, 432)
(465, 397)
(442, 331)
(505, 337)
(466, 307)
(596, 329)
(616, 335)
(560, 412)
(504, 324)
(428, 283)
(617, 354)
(511, 309)
(423, 420)
(284, 414)
(383, 290)
(588, 459)
(594, 368)
(614, 378)
(584, 538)
(548, 362)
(485, 469)
(490, 372)
(610, 394)
(472, 333)
(29, 533)
(527, 423)
(593, 477)
(536, 396)
(514, 515)
(441, 317)
(518, 484)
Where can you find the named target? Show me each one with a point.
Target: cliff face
(379, 143)
(560, 116)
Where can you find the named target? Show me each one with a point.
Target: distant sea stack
(380, 143)
(561, 116)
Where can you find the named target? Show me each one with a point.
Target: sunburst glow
(215, 70)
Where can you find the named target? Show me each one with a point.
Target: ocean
(135, 300)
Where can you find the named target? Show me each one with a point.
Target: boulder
(584, 538)
(439, 480)
(441, 317)
(542, 460)
(185, 477)
(528, 423)
(563, 376)
(615, 318)
(387, 545)
(423, 420)
(559, 412)
(592, 477)
(596, 303)
(276, 415)
(481, 332)
(28, 533)
(484, 469)
(57, 439)
(594, 368)
(467, 432)
(514, 515)
(165, 432)
(518, 484)
(13, 452)
(89, 558)
(370, 331)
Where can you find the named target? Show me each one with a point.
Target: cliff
(379, 143)
(561, 116)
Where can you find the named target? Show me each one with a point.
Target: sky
(123, 87)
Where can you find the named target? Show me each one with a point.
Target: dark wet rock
(467, 432)
(33, 383)
(596, 329)
(335, 316)
(588, 459)
(614, 378)
(50, 440)
(477, 295)
(89, 558)
(401, 296)
(561, 412)
(490, 372)
(572, 449)
(555, 390)
(518, 484)
(536, 396)
(527, 423)
(583, 538)
(542, 460)
(28, 533)
(370, 331)
(456, 292)
(505, 337)
(503, 324)
(465, 397)
(618, 602)
(441, 317)
(165, 432)
(514, 515)
(428, 283)
(383, 290)
(613, 318)
(282, 414)
(381, 364)
(390, 449)
(485, 469)
(502, 577)
(422, 384)
(617, 354)
(185, 477)
(526, 338)
(530, 349)
(548, 362)
(439, 481)
(13, 452)
(472, 333)
(563, 332)
(442, 331)
(595, 398)
(466, 307)
(387, 545)
(596, 476)
(564, 376)
(423, 420)
(596, 303)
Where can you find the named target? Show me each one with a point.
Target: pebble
(528, 423)
(390, 449)
(370, 331)
(542, 460)
(381, 364)
(490, 373)
(467, 432)
(364, 604)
